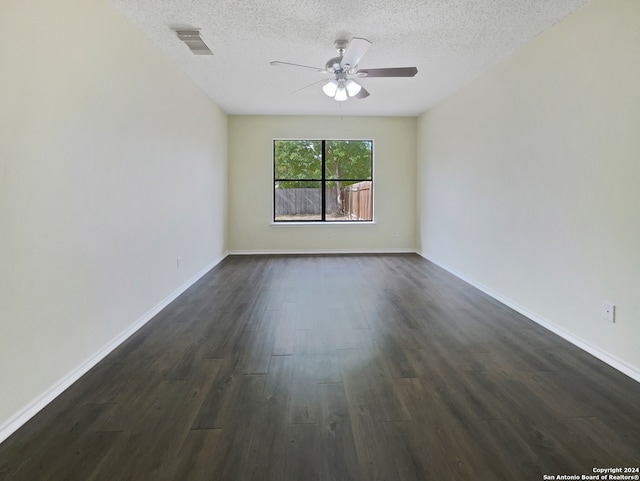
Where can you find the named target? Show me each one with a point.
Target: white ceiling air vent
(194, 42)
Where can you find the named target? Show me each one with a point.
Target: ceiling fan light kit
(341, 87)
(330, 88)
(341, 94)
(353, 87)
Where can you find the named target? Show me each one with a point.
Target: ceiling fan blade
(310, 85)
(355, 51)
(277, 63)
(363, 94)
(387, 72)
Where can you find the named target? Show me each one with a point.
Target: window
(322, 180)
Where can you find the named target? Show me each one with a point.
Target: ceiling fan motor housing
(333, 65)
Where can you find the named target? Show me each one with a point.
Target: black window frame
(323, 181)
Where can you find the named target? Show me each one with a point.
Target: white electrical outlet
(178, 262)
(608, 312)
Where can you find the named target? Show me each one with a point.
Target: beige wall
(529, 179)
(251, 185)
(112, 164)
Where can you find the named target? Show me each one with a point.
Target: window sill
(325, 224)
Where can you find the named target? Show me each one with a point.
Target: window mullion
(274, 181)
(323, 185)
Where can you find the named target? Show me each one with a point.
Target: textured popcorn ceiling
(450, 41)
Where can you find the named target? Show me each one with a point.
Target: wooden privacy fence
(358, 203)
(304, 201)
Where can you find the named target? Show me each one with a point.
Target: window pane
(348, 159)
(308, 172)
(349, 201)
(298, 159)
(298, 201)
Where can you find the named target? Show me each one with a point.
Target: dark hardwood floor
(302, 368)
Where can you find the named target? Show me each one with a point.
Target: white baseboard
(604, 356)
(35, 406)
(322, 251)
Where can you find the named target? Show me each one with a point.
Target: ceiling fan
(344, 68)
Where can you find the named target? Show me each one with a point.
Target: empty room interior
(217, 268)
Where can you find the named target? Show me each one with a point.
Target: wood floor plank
(220, 396)
(153, 442)
(305, 459)
(268, 450)
(339, 458)
(195, 461)
(333, 367)
(284, 324)
(305, 397)
(234, 447)
(370, 439)
(367, 376)
(54, 446)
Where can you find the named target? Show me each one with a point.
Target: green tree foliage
(348, 159)
(299, 161)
